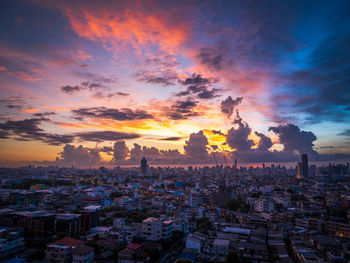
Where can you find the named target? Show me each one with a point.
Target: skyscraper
(305, 165)
(143, 166)
(299, 171)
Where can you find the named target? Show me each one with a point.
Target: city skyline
(103, 83)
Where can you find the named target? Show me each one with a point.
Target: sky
(92, 83)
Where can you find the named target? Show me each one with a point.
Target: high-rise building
(236, 164)
(143, 166)
(299, 171)
(305, 165)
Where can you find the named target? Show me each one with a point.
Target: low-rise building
(84, 254)
(62, 250)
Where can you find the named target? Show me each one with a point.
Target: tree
(256, 195)
(237, 205)
(232, 256)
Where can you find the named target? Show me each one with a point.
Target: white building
(155, 229)
(196, 241)
(264, 205)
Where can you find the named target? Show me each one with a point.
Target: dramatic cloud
(71, 89)
(171, 139)
(265, 142)
(208, 57)
(120, 151)
(29, 129)
(100, 136)
(164, 78)
(196, 147)
(322, 90)
(78, 156)
(289, 60)
(198, 86)
(228, 105)
(124, 114)
(237, 138)
(294, 139)
(88, 85)
(43, 114)
(181, 110)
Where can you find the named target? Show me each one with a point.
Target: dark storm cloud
(237, 138)
(124, 114)
(208, 94)
(196, 147)
(78, 156)
(100, 136)
(29, 129)
(198, 86)
(120, 151)
(181, 110)
(294, 139)
(214, 147)
(171, 139)
(265, 142)
(195, 79)
(202, 92)
(217, 132)
(228, 105)
(43, 114)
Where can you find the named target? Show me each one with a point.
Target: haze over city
(188, 131)
(90, 83)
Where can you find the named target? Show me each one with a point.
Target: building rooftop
(68, 241)
(83, 250)
(134, 246)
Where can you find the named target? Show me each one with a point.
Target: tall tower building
(299, 171)
(143, 166)
(305, 165)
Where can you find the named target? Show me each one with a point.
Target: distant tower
(305, 165)
(236, 164)
(299, 171)
(143, 166)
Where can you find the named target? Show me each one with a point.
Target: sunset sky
(106, 82)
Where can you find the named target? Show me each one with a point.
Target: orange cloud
(54, 108)
(28, 111)
(129, 28)
(82, 55)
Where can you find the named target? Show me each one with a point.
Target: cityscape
(150, 131)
